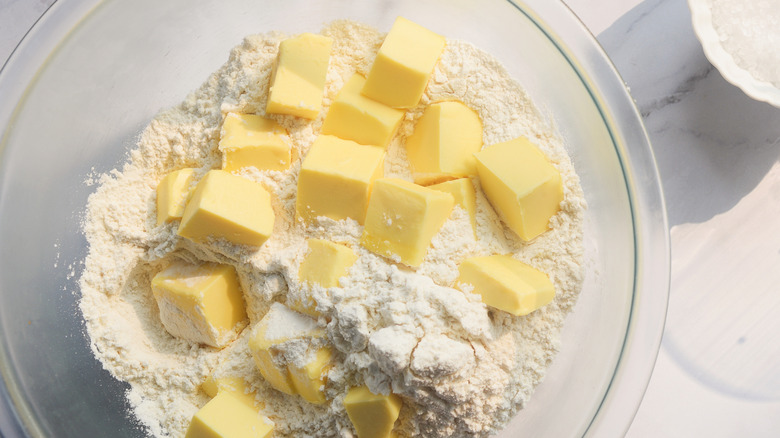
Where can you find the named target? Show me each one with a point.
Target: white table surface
(718, 371)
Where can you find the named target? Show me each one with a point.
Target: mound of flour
(461, 368)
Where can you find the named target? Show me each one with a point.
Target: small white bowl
(701, 12)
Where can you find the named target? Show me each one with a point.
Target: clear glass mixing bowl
(91, 74)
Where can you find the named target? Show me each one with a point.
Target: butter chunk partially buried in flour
(403, 65)
(372, 415)
(402, 219)
(465, 196)
(324, 263)
(229, 207)
(355, 117)
(335, 179)
(250, 140)
(521, 184)
(444, 142)
(226, 416)
(282, 325)
(298, 80)
(506, 283)
(172, 193)
(200, 303)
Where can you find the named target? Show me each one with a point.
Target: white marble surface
(718, 371)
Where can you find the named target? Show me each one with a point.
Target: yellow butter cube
(225, 416)
(249, 140)
(355, 117)
(298, 80)
(325, 262)
(278, 326)
(236, 386)
(200, 302)
(403, 65)
(506, 283)
(521, 184)
(309, 380)
(335, 179)
(229, 207)
(465, 196)
(172, 193)
(445, 139)
(373, 415)
(402, 219)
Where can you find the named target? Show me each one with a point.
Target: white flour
(461, 369)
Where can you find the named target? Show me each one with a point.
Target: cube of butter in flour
(324, 263)
(227, 206)
(403, 65)
(225, 416)
(335, 179)
(521, 184)
(278, 326)
(402, 219)
(355, 117)
(172, 193)
(309, 379)
(465, 196)
(235, 385)
(372, 415)
(298, 79)
(250, 140)
(444, 140)
(507, 283)
(200, 303)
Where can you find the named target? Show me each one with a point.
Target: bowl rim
(576, 43)
(701, 17)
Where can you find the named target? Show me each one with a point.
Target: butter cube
(172, 193)
(309, 380)
(298, 80)
(507, 284)
(403, 65)
(228, 206)
(465, 196)
(201, 303)
(335, 179)
(249, 140)
(325, 263)
(235, 385)
(445, 139)
(521, 184)
(225, 416)
(355, 117)
(402, 219)
(278, 326)
(373, 415)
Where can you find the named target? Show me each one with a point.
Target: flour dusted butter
(372, 415)
(335, 179)
(507, 283)
(355, 117)
(521, 184)
(252, 140)
(403, 65)
(227, 206)
(402, 219)
(172, 193)
(298, 80)
(226, 416)
(462, 190)
(201, 303)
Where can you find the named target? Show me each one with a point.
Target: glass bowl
(91, 74)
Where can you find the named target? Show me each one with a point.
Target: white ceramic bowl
(92, 73)
(701, 13)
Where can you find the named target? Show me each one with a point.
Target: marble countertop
(718, 370)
